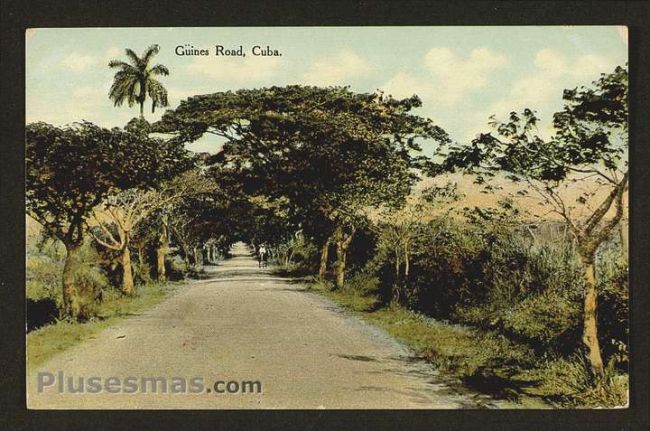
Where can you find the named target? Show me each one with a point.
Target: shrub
(613, 302)
(497, 277)
(569, 382)
(40, 312)
(142, 272)
(44, 269)
(363, 283)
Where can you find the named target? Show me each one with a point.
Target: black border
(18, 15)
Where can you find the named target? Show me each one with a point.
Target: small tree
(399, 228)
(126, 210)
(588, 153)
(69, 171)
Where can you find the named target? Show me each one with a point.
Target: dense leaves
(324, 152)
(71, 170)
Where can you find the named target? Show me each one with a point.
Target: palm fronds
(133, 81)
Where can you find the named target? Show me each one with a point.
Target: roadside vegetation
(540, 290)
(499, 312)
(524, 298)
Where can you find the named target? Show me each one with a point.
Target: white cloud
(114, 52)
(236, 70)
(337, 69)
(455, 76)
(553, 74)
(78, 62)
(450, 77)
(405, 85)
(542, 89)
(91, 96)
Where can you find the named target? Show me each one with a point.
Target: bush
(570, 383)
(40, 312)
(613, 303)
(44, 269)
(498, 278)
(363, 283)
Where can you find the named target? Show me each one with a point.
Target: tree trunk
(141, 109)
(624, 233)
(342, 244)
(186, 257)
(70, 294)
(197, 258)
(324, 256)
(340, 264)
(398, 265)
(290, 258)
(407, 262)
(141, 256)
(127, 271)
(590, 328)
(161, 252)
(624, 228)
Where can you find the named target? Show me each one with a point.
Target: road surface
(253, 331)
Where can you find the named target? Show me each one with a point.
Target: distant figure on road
(262, 255)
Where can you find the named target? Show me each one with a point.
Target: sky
(462, 74)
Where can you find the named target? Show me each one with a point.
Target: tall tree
(588, 153)
(324, 153)
(134, 80)
(69, 171)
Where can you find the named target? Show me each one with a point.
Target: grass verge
(45, 342)
(485, 361)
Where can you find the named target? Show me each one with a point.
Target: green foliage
(296, 255)
(364, 283)
(495, 276)
(570, 383)
(70, 170)
(44, 268)
(613, 300)
(320, 154)
(134, 81)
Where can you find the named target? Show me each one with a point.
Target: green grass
(483, 361)
(45, 342)
(487, 361)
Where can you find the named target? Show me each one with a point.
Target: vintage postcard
(327, 217)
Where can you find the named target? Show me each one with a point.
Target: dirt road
(286, 347)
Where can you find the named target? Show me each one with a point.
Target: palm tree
(135, 80)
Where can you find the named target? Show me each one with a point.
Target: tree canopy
(71, 170)
(324, 150)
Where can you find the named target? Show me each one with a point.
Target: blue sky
(462, 74)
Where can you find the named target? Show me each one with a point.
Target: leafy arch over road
(321, 155)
